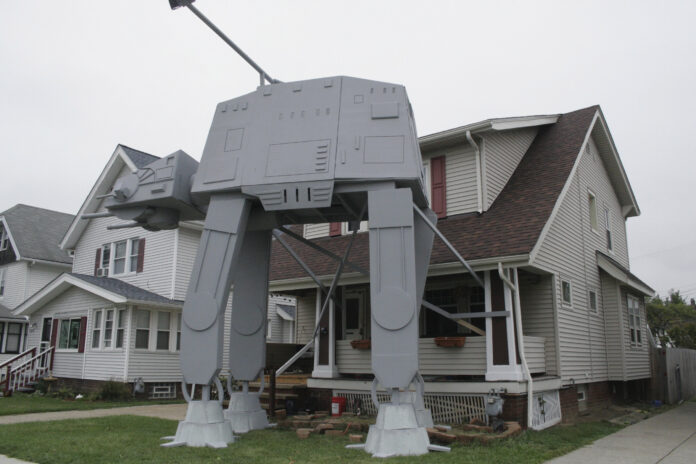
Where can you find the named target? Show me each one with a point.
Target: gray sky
(79, 77)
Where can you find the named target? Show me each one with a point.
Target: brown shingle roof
(512, 224)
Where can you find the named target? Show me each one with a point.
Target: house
(29, 258)
(539, 202)
(115, 314)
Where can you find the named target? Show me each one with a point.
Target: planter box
(450, 342)
(361, 344)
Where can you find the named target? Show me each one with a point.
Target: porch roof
(623, 275)
(510, 227)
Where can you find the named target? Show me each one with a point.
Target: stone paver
(164, 411)
(668, 438)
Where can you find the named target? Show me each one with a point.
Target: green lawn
(131, 439)
(20, 403)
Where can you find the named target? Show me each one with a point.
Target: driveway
(668, 438)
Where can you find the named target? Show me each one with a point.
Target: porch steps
(288, 387)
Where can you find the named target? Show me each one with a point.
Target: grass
(132, 439)
(21, 403)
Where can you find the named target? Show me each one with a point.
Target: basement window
(163, 391)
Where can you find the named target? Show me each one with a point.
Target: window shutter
(141, 255)
(83, 333)
(438, 187)
(54, 333)
(97, 261)
(335, 229)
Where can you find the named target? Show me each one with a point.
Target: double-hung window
(634, 324)
(96, 329)
(163, 330)
(120, 257)
(142, 329)
(120, 327)
(108, 328)
(69, 334)
(607, 222)
(157, 330)
(10, 337)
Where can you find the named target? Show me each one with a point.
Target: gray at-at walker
(313, 151)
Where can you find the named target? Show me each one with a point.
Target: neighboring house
(547, 198)
(117, 314)
(30, 257)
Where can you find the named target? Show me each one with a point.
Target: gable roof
(123, 156)
(36, 232)
(6, 313)
(510, 227)
(113, 290)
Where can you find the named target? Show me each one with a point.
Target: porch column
(324, 342)
(501, 355)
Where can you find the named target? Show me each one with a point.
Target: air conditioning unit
(102, 272)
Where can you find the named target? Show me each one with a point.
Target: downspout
(479, 171)
(520, 339)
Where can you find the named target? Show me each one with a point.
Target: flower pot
(361, 344)
(450, 342)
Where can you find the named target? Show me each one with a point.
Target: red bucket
(338, 405)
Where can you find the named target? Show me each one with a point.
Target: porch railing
(21, 371)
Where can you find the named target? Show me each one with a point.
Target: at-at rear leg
(396, 287)
(203, 318)
(248, 334)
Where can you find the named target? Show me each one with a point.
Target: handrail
(29, 370)
(20, 355)
(38, 356)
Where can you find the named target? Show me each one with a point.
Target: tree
(672, 320)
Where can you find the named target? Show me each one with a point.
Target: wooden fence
(673, 374)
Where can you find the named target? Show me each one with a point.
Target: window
(96, 330)
(607, 222)
(436, 325)
(4, 239)
(69, 334)
(120, 257)
(634, 324)
(345, 228)
(593, 300)
(108, 328)
(2, 282)
(2, 335)
(178, 332)
(120, 328)
(13, 338)
(566, 292)
(142, 329)
(163, 323)
(592, 204)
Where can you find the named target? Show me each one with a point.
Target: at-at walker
(313, 151)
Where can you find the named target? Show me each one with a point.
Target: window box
(361, 344)
(450, 342)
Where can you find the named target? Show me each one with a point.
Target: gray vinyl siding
(73, 303)
(187, 247)
(637, 364)
(569, 249)
(316, 230)
(281, 330)
(503, 152)
(151, 365)
(106, 364)
(538, 318)
(159, 251)
(306, 316)
(461, 183)
(15, 284)
(613, 327)
(41, 274)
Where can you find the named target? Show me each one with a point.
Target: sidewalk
(668, 438)
(163, 411)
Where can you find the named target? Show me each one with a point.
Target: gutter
(479, 171)
(515, 288)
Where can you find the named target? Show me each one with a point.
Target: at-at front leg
(248, 331)
(203, 319)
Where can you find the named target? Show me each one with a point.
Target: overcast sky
(79, 77)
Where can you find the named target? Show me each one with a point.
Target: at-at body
(321, 150)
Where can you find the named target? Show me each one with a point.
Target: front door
(353, 314)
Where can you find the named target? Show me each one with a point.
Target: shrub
(63, 393)
(114, 391)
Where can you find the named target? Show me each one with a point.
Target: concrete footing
(245, 413)
(205, 425)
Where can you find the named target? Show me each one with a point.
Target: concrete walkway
(668, 438)
(163, 411)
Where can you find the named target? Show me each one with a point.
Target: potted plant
(450, 342)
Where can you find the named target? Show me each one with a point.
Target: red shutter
(141, 255)
(437, 182)
(97, 261)
(54, 333)
(335, 229)
(83, 335)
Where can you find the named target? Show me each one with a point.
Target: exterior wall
(503, 152)
(461, 183)
(538, 314)
(152, 366)
(72, 303)
(187, 247)
(613, 327)
(636, 358)
(569, 249)
(105, 364)
(281, 330)
(15, 284)
(305, 317)
(316, 230)
(159, 251)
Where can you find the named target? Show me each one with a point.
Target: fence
(673, 374)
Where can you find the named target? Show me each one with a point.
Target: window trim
(609, 234)
(153, 329)
(5, 333)
(4, 238)
(101, 346)
(590, 291)
(592, 207)
(3, 273)
(58, 335)
(129, 259)
(638, 343)
(569, 303)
